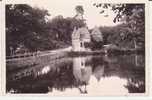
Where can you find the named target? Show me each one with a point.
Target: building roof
(81, 33)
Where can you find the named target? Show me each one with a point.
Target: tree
(62, 28)
(79, 10)
(133, 15)
(25, 26)
(79, 13)
(33, 31)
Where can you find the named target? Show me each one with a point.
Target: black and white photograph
(75, 48)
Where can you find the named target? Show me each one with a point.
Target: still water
(93, 75)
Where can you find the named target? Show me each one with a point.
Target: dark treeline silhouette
(129, 34)
(120, 36)
(29, 29)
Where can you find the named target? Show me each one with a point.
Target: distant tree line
(29, 29)
(129, 34)
(120, 36)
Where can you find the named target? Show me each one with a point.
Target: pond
(82, 75)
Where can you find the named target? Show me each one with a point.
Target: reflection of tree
(60, 78)
(135, 86)
(63, 79)
(125, 67)
(96, 61)
(99, 72)
(139, 61)
(82, 72)
(66, 75)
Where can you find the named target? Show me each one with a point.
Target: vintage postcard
(75, 47)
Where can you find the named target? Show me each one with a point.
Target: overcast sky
(67, 9)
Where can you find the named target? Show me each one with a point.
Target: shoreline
(16, 63)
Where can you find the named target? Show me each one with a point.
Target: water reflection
(45, 70)
(95, 75)
(82, 72)
(107, 86)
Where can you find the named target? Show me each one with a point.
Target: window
(81, 63)
(81, 44)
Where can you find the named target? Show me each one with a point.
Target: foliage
(79, 9)
(30, 28)
(62, 28)
(117, 35)
(96, 38)
(133, 16)
(25, 26)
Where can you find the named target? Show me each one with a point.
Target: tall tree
(25, 26)
(79, 12)
(133, 15)
(79, 9)
(33, 31)
(62, 27)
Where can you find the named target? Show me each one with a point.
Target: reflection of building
(80, 37)
(99, 72)
(81, 70)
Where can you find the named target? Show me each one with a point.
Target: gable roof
(81, 33)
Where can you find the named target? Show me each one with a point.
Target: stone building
(80, 37)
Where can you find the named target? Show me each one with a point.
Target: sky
(66, 8)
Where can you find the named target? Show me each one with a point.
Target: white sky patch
(66, 8)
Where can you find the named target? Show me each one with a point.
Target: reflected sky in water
(106, 86)
(89, 75)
